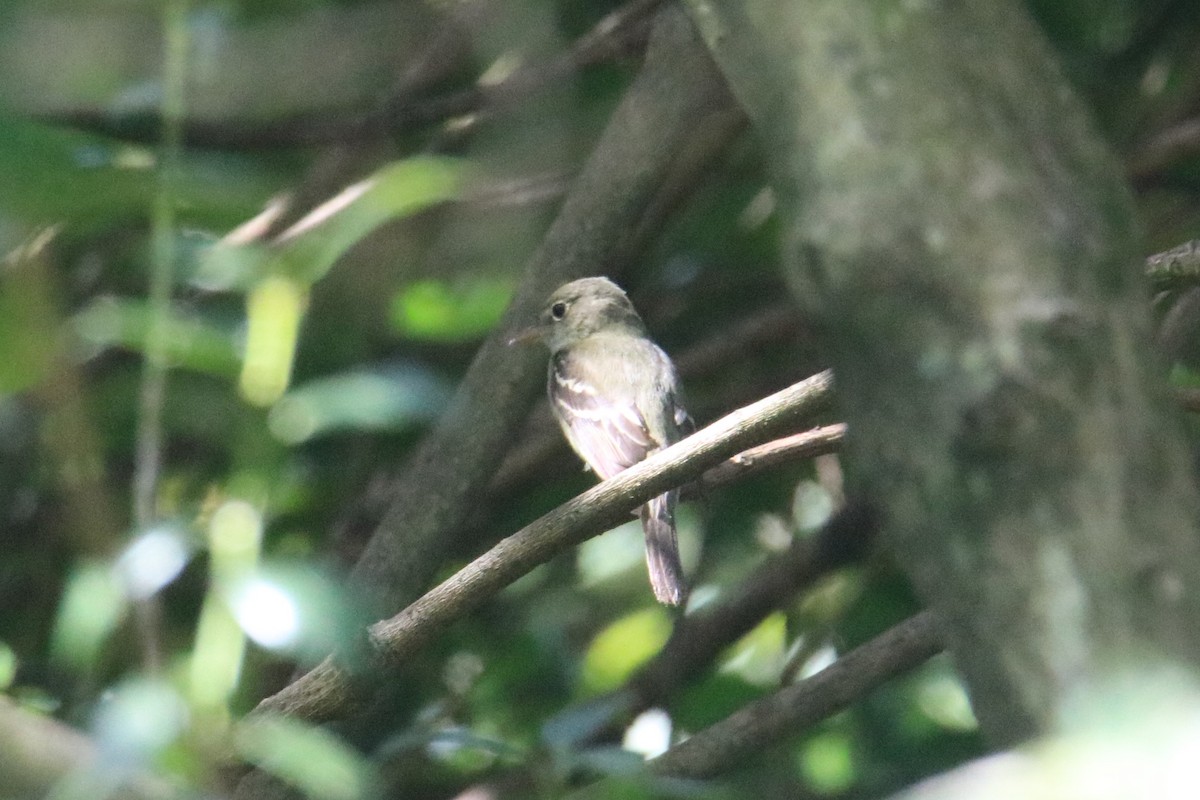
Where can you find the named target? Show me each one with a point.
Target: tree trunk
(968, 245)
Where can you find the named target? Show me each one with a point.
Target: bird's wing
(610, 433)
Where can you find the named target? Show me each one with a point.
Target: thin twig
(1181, 140)
(148, 459)
(327, 692)
(798, 447)
(757, 726)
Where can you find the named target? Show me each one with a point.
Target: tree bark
(968, 245)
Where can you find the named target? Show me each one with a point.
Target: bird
(615, 395)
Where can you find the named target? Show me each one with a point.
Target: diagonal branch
(700, 637)
(329, 690)
(758, 725)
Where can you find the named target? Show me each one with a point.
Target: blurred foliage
(328, 292)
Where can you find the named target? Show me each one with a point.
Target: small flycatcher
(615, 395)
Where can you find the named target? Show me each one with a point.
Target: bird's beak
(532, 334)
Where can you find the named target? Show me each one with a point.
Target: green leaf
(92, 606)
(274, 310)
(53, 175)
(390, 398)
(827, 762)
(440, 311)
(624, 646)
(309, 248)
(311, 759)
(193, 342)
(28, 320)
(8, 666)
(139, 719)
(758, 656)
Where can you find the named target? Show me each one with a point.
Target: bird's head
(579, 309)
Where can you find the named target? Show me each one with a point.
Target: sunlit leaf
(389, 398)
(943, 698)
(235, 538)
(274, 309)
(28, 320)
(441, 311)
(649, 734)
(311, 759)
(758, 656)
(8, 666)
(216, 662)
(812, 506)
(623, 646)
(151, 561)
(295, 608)
(138, 719)
(92, 605)
(827, 762)
(234, 544)
(309, 248)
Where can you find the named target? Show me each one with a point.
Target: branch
(38, 753)
(761, 724)
(1188, 399)
(1179, 265)
(798, 447)
(1179, 141)
(700, 637)
(328, 691)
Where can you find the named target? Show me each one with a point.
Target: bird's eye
(558, 310)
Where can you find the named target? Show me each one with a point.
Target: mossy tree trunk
(969, 246)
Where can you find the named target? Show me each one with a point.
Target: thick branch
(328, 691)
(761, 724)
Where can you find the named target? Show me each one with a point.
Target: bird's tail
(662, 549)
